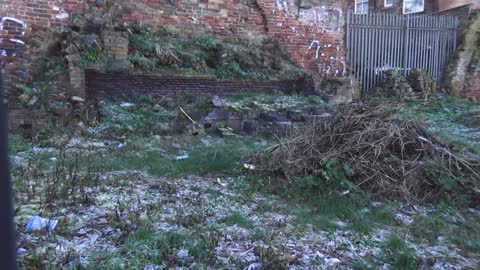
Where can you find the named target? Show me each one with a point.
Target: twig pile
(390, 156)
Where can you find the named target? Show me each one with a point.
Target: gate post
(405, 43)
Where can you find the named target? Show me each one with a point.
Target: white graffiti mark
(15, 30)
(284, 5)
(61, 13)
(197, 14)
(336, 59)
(3, 20)
(315, 42)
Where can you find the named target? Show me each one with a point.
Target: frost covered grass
(174, 202)
(272, 102)
(181, 156)
(445, 118)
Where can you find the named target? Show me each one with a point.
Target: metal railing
(377, 42)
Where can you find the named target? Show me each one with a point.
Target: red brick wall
(312, 36)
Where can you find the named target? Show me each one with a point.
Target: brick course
(100, 84)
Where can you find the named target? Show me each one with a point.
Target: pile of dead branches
(389, 155)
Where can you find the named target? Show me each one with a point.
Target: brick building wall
(311, 32)
(430, 6)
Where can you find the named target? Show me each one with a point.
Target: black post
(8, 251)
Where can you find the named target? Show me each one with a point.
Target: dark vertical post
(405, 43)
(7, 232)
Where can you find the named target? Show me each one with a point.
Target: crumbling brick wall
(311, 32)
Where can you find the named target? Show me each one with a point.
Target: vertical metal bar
(433, 42)
(350, 49)
(405, 44)
(369, 50)
(392, 39)
(436, 50)
(398, 44)
(362, 55)
(411, 45)
(7, 232)
(375, 49)
(424, 43)
(365, 51)
(428, 57)
(417, 47)
(382, 47)
(443, 48)
(455, 33)
(355, 45)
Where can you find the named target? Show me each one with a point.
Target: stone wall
(115, 45)
(101, 84)
(311, 32)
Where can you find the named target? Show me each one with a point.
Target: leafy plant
(93, 56)
(26, 90)
(330, 176)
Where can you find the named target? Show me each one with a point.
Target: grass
(205, 156)
(237, 219)
(273, 101)
(454, 224)
(324, 207)
(364, 265)
(397, 253)
(444, 117)
(17, 143)
(144, 246)
(136, 117)
(315, 201)
(207, 55)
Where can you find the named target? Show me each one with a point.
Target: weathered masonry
(311, 32)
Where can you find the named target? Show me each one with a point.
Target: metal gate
(377, 42)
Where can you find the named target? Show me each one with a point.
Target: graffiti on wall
(326, 18)
(334, 61)
(11, 32)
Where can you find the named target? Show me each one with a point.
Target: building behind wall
(411, 6)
